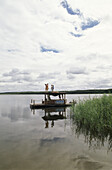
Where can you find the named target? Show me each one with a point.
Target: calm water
(46, 139)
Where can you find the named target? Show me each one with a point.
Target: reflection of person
(47, 124)
(46, 87)
(52, 123)
(33, 111)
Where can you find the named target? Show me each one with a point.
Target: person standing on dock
(52, 87)
(46, 87)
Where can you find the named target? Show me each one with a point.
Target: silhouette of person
(47, 124)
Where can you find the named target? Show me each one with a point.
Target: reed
(94, 114)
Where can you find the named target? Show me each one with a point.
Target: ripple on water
(83, 162)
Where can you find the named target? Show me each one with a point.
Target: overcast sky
(67, 43)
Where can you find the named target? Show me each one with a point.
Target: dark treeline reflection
(95, 138)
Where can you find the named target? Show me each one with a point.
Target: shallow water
(29, 141)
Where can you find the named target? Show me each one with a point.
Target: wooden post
(65, 98)
(45, 99)
(34, 102)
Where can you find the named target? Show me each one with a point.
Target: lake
(47, 139)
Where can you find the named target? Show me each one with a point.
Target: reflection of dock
(61, 114)
(50, 115)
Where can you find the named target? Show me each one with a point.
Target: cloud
(70, 76)
(16, 75)
(76, 71)
(100, 83)
(15, 72)
(39, 39)
(47, 76)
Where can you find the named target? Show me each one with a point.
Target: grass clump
(94, 114)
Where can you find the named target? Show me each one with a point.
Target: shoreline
(92, 91)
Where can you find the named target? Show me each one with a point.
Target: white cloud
(46, 38)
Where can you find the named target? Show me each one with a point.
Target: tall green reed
(95, 114)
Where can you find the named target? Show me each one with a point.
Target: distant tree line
(90, 91)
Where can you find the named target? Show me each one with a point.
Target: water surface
(46, 140)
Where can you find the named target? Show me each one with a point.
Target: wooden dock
(49, 102)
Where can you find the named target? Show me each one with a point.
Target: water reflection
(95, 138)
(17, 114)
(49, 142)
(28, 145)
(52, 114)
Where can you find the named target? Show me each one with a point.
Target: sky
(67, 43)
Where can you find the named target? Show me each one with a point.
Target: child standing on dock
(52, 87)
(46, 87)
